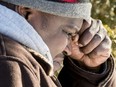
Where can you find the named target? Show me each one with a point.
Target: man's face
(54, 30)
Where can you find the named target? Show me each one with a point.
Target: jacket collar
(22, 32)
(15, 51)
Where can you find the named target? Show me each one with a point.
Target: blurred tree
(105, 10)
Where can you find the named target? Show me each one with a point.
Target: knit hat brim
(71, 10)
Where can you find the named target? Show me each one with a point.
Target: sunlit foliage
(105, 10)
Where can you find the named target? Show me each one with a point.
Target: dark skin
(66, 34)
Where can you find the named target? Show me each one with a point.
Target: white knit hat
(65, 8)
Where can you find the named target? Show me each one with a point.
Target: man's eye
(68, 33)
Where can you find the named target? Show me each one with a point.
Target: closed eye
(69, 33)
(70, 30)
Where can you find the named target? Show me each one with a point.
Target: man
(34, 32)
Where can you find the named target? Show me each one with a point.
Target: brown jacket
(20, 67)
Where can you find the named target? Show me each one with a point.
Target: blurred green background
(105, 10)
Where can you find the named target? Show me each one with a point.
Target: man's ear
(23, 11)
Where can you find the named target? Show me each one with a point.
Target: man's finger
(85, 26)
(97, 39)
(104, 49)
(87, 36)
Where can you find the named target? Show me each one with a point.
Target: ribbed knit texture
(81, 9)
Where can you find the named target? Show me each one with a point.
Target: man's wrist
(87, 68)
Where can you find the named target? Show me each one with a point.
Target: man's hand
(92, 46)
